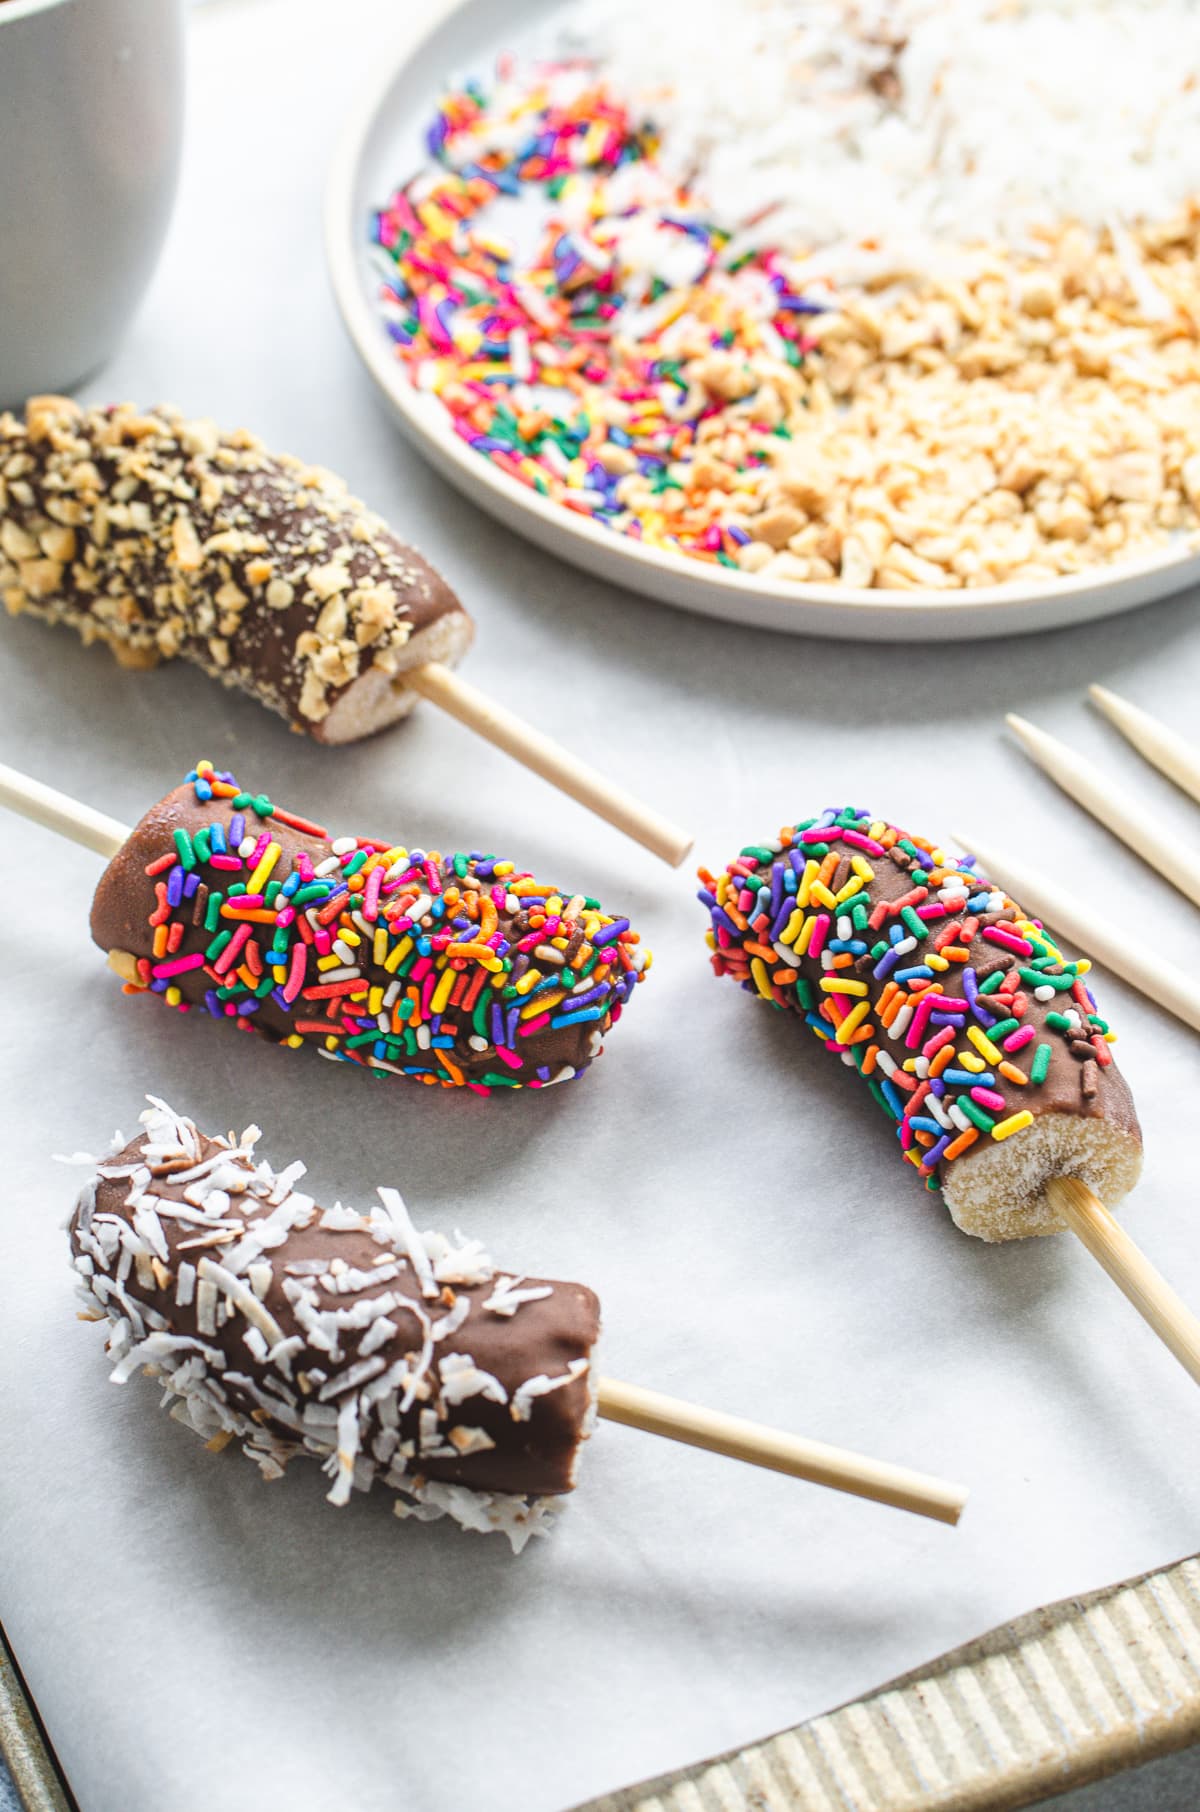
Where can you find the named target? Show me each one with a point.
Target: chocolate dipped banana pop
(979, 1039)
(394, 1357)
(459, 970)
(165, 537)
(971, 1029)
(162, 537)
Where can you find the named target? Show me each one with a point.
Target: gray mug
(91, 116)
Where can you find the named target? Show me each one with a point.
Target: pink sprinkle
(304, 864)
(370, 904)
(510, 1057)
(534, 1025)
(1020, 1037)
(177, 966)
(285, 916)
(295, 980)
(421, 968)
(820, 932)
(907, 1135)
(916, 1030)
(323, 941)
(229, 955)
(996, 934)
(938, 1042)
(933, 910)
(860, 842)
(987, 1097)
(819, 835)
(232, 863)
(430, 984)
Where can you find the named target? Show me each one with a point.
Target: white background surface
(196, 1639)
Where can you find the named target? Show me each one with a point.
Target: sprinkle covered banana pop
(454, 970)
(164, 537)
(394, 1357)
(975, 1034)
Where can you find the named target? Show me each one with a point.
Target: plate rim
(849, 612)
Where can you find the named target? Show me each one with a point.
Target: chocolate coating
(165, 537)
(453, 1042)
(317, 1333)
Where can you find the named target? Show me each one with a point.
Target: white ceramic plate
(381, 147)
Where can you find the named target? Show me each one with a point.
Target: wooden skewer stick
(1164, 748)
(549, 759)
(1091, 934)
(59, 812)
(1117, 809)
(627, 1403)
(1131, 1271)
(779, 1452)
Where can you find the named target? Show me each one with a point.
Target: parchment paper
(195, 1639)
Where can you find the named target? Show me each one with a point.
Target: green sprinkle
(994, 981)
(184, 850)
(355, 863)
(1059, 1021)
(200, 843)
(1041, 1063)
(758, 854)
(218, 944)
(975, 1114)
(917, 926)
(212, 912)
(1002, 1029)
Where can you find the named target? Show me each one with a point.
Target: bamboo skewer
(1129, 1268)
(1112, 805)
(1163, 747)
(761, 1446)
(500, 727)
(59, 812)
(736, 1438)
(1092, 935)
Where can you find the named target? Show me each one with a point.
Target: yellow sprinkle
(805, 937)
(862, 868)
(835, 985)
(1082, 965)
(173, 997)
(294, 1040)
(971, 1062)
(853, 1020)
(280, 975)
(791, 930)
(331, 961)
(822, 895)
(984, 1045)
(935, 961)
(811, 871)
(441, 993)
(379, 945)
(530, 979)
(762, 980)
(1003, 1129)
(331, 1044)
(258, 879)
(504, 868)
(849, 887)
(543, 1003)
(398, 955)
(375, 1001)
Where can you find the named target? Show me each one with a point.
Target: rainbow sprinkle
(462, 970)
(584, 370)
(911, 968)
